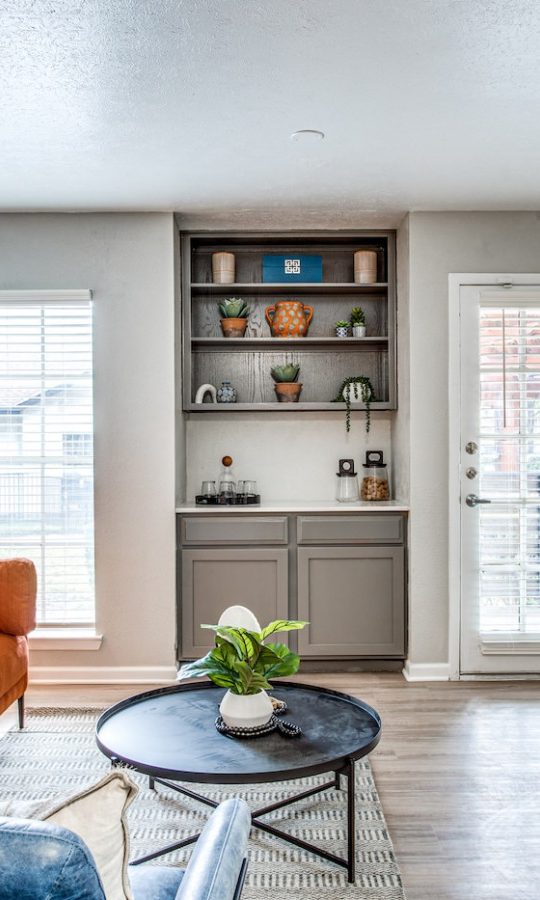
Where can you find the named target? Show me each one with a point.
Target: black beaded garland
(287, 729)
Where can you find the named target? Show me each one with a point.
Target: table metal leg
(351, 820)
(348, 863)
(169, 849)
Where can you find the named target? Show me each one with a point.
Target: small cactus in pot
(358, 322)
(342, 329)
(286, 387)
(234, 316)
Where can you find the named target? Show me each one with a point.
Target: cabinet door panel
(216, 578)
(353, 598)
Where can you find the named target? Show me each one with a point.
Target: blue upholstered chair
(42, 861)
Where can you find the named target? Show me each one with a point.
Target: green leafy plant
(242, 662)
(361, 389)
(358, 316)
(234, 308)
(287, 373)
(342, 324)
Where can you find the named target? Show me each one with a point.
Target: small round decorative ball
(227, 461)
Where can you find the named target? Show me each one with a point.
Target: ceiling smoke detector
(308, 135)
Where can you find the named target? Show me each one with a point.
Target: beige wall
(401, 426)
(127, 261)
(292, 456)
(440, 243)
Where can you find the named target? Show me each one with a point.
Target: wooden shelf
(260, 287)
(283, 407)
(325, 360)
(276, 344)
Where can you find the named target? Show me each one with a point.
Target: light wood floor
(458, 773)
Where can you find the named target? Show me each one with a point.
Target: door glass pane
(499, 587)
(509, 465)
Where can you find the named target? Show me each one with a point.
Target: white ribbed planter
(246, 710)
(359, 331)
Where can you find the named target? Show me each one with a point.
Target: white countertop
(298, 506)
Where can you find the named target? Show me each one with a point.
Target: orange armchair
(18, 584)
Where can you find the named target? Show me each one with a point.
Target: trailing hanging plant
(361, 388)
(242, 662)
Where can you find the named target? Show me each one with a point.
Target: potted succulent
(356, 387)
(358, 322)
(342, 329)
(243, 663)
(234, 315)
(286, 387)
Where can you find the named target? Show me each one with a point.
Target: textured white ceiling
(189, 105)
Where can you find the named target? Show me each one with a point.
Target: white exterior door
(499, 453)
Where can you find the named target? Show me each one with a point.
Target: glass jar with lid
(376, 478)
(347, 482)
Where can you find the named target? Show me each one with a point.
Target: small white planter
(246, 710)
(359, 330)
(357, 396)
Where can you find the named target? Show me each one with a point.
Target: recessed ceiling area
(190, 105)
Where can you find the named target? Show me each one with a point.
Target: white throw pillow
(97, 815)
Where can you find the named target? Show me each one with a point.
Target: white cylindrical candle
(223, 268)
(365, 266)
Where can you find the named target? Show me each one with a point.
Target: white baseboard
(517, 677)
(426, 671)
(101, 674)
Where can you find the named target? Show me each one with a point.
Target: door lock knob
(473, 500)
(471, 472)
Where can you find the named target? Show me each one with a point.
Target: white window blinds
(510, 470)
(46, 447)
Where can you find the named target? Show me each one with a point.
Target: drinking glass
(250, 488)
(227, 489)
(208, 489)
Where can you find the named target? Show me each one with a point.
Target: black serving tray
(238, 500)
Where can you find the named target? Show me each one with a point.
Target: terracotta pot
(288, 391)
(233, 328)
(289, 318)
(246, 710)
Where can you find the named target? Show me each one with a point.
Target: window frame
(81, 630)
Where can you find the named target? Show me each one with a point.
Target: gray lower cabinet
(353, 598)
(215, 578)
(344, 574)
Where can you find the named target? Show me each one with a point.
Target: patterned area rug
(56, 756)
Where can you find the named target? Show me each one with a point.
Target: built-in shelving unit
(325, 360)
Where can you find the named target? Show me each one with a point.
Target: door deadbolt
(471, 447)
(471, 472)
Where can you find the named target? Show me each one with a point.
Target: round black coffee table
(169, 734)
